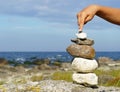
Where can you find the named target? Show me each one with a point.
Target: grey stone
(83, 42)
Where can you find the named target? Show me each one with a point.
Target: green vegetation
(33, 89)
(36, 78)
(21, 80)
(114, 73)
(62, 75)
(106, 77)
(57, 63)
(114, 82)
(2, 82)
(109, 77)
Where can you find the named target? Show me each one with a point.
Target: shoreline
(63, 56)
(50, 78)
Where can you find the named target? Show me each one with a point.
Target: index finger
(80, 19)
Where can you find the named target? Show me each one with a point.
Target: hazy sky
(49, 25)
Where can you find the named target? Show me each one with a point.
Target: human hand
(86, 15)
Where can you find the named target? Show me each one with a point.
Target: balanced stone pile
(83, 63)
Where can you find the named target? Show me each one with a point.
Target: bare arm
(108, 13)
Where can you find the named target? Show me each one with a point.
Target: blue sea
(62, 56)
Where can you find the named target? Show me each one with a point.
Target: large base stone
(84, 65)
(88, 79)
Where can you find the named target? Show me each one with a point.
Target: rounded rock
(87, 79)
(84, 65)
(82, 51)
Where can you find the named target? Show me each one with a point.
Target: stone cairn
(83, 63)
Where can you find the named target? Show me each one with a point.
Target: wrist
(96, 8)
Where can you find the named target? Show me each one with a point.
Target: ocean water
(62, 56)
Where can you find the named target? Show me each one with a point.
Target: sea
(61, 56)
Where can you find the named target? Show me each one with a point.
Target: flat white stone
(84, 65)
(81, 35)
(89, 78)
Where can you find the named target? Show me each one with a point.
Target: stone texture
(83, 51)
(84, 65)
(88, 79)
(83, 42)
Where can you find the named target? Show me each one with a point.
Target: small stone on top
(81, 35)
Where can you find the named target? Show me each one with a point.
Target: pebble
(81, 35)
(54, 86)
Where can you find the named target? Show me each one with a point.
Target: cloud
(59, 11)
(49, 10)
(45, 19)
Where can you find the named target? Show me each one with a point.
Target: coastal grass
(114, 73)
(2, 82)
(114, 82)
(20, 81)
(109, 77)
(36, 78)
(62, 75)
(33, 89)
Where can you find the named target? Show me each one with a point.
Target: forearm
(110, 14)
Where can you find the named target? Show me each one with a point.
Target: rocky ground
(37, 79)
(53, 86)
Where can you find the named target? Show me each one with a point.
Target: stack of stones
(83, 63)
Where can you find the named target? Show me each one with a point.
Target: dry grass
(114, 82)
(62, 75)
(36, 78)
(109, 77)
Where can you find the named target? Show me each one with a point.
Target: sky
(49, 25)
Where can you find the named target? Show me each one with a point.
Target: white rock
(81, 35)
(89, 78)
(84, 65)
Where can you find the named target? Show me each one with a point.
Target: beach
(56, 77)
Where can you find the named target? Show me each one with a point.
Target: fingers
(88, 18)
(81, 20)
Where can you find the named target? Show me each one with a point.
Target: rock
(3, 62)
(38, 61)
(83, 51)
(47, 61)
(84, 65)
(103, 61)
(20, 69)
(44, 67)
(86, 79)
(57, 86)
(81, 35)
(83, 42)
(41, 61)
(66, 66)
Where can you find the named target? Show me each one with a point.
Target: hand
(86, 15)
